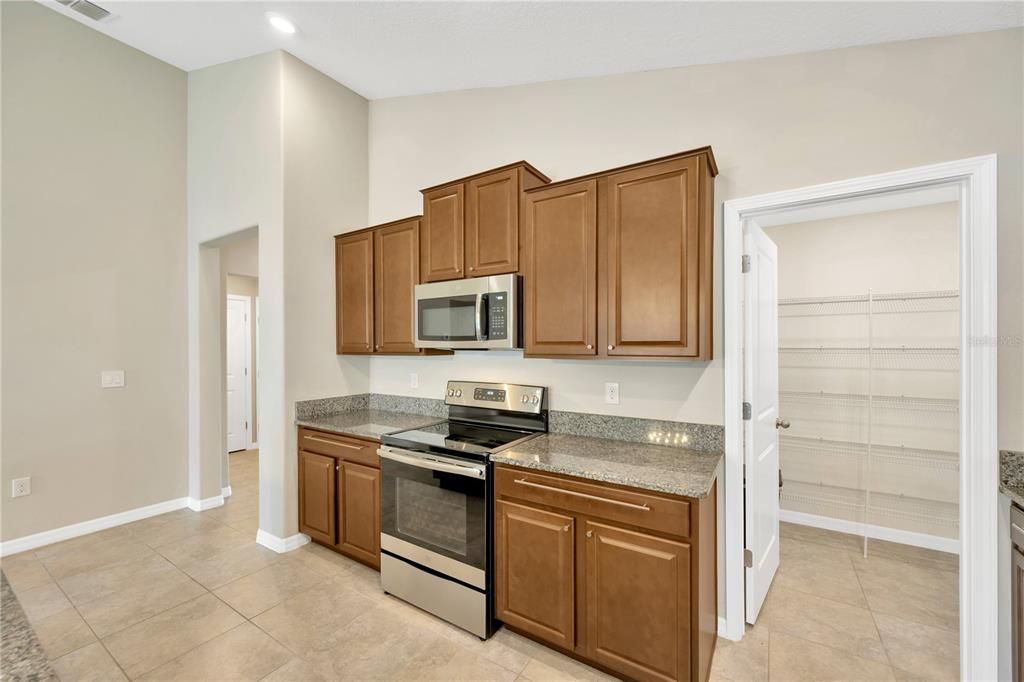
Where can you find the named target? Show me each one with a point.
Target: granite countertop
(366, 423)
(21, 655)
(673, 470)
(1011, 475)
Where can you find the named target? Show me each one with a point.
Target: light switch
(112, 378)
(414, 380)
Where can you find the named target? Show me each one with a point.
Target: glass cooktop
(456, 436)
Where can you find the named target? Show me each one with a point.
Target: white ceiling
(388, 49)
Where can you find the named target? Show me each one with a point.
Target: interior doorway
(238, 363)
(843, 506)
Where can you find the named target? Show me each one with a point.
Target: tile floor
(191, 596)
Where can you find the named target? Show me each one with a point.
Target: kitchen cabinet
(654, 239)
(376, 272)
(536, 586)
(317, 509)
(1017, 589)
(624, 579)
(471, 225)
(339, 493)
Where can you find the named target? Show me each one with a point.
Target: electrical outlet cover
(611, 393)
(21, 487)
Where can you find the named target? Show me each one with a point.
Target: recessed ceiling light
(280, 23)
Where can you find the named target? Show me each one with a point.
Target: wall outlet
(611, 393)
(112, 378)
(21, 487)
(414, 380)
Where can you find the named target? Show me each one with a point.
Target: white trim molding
(49, 537)
(975, 179)
(225, 492)
(206, 503)
(281, 545)
(906, 537)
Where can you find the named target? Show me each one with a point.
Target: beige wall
(93, 164)
(774, 124)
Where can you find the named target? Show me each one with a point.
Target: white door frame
(248, 364)
(979, 452)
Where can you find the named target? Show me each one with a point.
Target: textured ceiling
(388, 49)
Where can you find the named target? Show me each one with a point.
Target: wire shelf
(897, 454)
(881, 304)
(849, 504)
(917, 358)
(861, 400)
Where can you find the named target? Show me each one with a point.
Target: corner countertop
(370, 424)
(1011, 475)
(673, 470)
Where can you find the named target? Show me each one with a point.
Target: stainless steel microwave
(477, 313)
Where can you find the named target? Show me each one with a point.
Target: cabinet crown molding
(699, 151)
(517, 164)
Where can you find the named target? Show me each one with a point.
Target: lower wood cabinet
(339, 494)
(621, 578)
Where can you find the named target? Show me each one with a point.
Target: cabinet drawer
(349, 449)
(665, 514)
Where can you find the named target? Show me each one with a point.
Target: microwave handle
(481, 310)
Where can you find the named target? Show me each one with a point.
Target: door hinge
(748, 558)
(745, 264)
(747, 412)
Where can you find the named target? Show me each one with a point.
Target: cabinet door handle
(333, 442)
(471, 268)
(565, 528)
(611, 347)
(631, 505)
(590, 346)
(590, 533)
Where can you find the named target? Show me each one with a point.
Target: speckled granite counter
(366, 423)
(1011, 475)
(674, 470)
(21, 655)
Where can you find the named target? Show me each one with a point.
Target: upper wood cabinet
(377, 270)
(654, 234)
(353, 256)
(560, 270)
(471, 225)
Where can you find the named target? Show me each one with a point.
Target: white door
(761, 441)
(238, 372)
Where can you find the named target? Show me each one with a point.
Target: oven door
(434, 513)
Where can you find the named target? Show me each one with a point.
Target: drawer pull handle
(641, 507)
(333, 442)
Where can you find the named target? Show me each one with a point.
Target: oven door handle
(481, 335)
(434, 464)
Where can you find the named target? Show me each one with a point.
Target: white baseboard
(723, 630)
(225, 492)
(48, 537)
(905, 537)
(281, 545)
(204, 504)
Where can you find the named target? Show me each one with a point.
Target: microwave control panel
(497, 315)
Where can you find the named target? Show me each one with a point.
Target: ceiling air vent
(91, 10)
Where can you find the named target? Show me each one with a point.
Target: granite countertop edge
(401, 421)
(1015, 493)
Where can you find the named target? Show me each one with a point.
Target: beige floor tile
(831, 580)
(62, 633)
(931, 653)
(203, 545)
(742, 661)
(795, 660)
(925, 595)
(90, 540)
(243, 653)
(107, 581)
(296, 670)
(25, 571)
(91, 663)
(824, 621)
(554, 667)
(142, 600)
(792, 531)
(164, 637)
(43, 601)
(323, 560)
(235, 563)
(248, 525)
(507, 649)
(444, 660)
(269, 586)
(918, 556)
(233, 512)
(167, 528)
(87, 557)
(312, 621)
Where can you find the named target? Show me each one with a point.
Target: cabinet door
(354, 281)
(397, 271)
(560, 284)
(653, 274)
(1017, 582)
(638, 603)
(441, 247)
(316, 496)
(492, 224)
(359, 512)
(534, 572)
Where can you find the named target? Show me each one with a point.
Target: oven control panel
(511, 397)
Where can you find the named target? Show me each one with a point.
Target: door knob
(781, 423)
